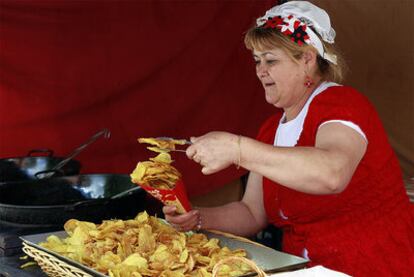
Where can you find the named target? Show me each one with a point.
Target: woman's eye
(271, 61)
(257, 61)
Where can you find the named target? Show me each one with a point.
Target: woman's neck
(293, 111)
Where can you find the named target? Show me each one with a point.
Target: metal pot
(52, 201)
(25, 168)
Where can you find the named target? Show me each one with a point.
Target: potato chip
(159, 178)
(158, 171)
(144, 246)
(162, 144)
(158, 150)
(162, 158)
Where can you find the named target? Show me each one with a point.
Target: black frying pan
(34, 167)
(24, 168)
(52, 201)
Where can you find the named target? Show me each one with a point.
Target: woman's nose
(261, 70)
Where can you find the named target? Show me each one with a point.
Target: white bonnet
(311, 16)
(307, 12)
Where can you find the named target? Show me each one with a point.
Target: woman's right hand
(215, 151)
(189, 221)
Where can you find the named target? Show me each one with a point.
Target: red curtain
(138, 68)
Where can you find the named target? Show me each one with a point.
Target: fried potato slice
(162, 144)
(141, 247)
(157, 173)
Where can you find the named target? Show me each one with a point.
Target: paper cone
(175, 197)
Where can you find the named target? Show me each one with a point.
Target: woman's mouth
(268, 84)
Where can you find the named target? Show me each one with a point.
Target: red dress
(368, 229)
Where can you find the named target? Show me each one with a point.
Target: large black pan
(31, 167)
(25, 168)
(52, 201)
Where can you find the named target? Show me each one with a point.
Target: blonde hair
(265, 38)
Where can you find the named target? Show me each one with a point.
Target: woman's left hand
(189, 221)
(214, 151)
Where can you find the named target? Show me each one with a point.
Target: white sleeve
(349, 124)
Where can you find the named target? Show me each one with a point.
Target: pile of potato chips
(157, 172)
(144, 246)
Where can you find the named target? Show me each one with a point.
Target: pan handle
(126, 192)
(48, 173)
(87, 203)
(102, 201)
(46, 152)
(104, 132)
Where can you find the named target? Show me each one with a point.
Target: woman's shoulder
(341, 99)
(343, 103)
(342, 94)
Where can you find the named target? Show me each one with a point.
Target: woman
(322, 169)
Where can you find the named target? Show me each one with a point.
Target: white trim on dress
(288, 133)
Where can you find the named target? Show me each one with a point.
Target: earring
(308, 81)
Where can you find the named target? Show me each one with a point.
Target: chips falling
(157, 172)
(144, 246)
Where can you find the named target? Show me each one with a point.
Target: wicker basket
(54, 267)
(51, 265)
(229, 260)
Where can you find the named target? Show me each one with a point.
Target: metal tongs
(186, 142)
(49, 173)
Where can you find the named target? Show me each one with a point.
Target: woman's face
(281, 77)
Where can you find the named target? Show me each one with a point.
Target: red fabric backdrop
(138, 68)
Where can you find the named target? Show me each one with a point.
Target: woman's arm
(243, 218)
(323, 169)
